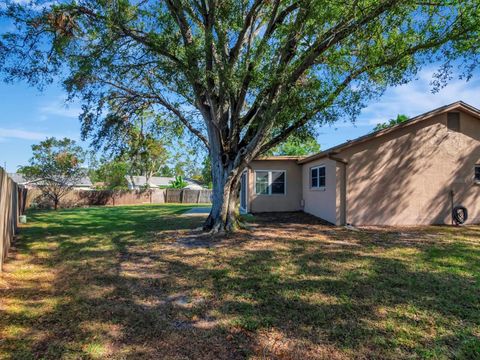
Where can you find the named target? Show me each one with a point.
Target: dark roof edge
(427, 115)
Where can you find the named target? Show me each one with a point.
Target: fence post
(10, 211)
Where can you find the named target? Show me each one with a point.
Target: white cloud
(59, 108)
(33, 4)
(410, 99)
(21, 134)
(416, 98)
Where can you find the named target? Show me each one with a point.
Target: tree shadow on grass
(291, 291)
(320, 306)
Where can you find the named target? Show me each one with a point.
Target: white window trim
(477, 181)
(270, 182)
(318, 187)
(245, 172)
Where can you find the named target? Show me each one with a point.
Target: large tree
(146, 156)
(241, 75)
(139, 141)
(56, 167)
(401, 118)
(296, 145)
(111, 173)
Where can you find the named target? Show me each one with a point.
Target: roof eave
(279, 158)
(429, 114)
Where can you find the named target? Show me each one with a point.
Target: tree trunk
(223, 216)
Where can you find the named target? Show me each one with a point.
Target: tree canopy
(240, 75)
(111, 174)
(56, 166)
(296, 146)
(401, 118)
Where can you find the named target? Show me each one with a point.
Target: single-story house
(410, 174)
(139, 182)
(83, 183)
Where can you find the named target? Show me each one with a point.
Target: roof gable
(459, 105)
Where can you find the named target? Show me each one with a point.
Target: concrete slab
(198, 211)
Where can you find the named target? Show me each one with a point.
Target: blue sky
(28, 116)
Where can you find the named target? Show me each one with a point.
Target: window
(270, 182)
(453, 121)
(477, 173)
(261, 182)
(278, 182)
(317, 177)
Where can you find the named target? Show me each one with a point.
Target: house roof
(84, 181)
(20, 179)
(279, 157)
(458, 105)
(155, 181)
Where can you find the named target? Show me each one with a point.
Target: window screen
(317, 177)
(314, 177)
(278, 182)
(261, 182)
(321, 176)
(270, 182)
(453, 121)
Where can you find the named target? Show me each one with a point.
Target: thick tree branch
(334, 36)
(391, 61)
(235, 50)
(163, 102)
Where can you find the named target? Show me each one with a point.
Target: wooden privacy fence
(12, 205)
(187, 196)
(77, 198)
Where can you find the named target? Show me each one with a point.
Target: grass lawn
(113, 283)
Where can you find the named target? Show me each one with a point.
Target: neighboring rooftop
(154, 181)
(20, 179)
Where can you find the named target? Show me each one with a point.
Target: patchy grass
(113, 283)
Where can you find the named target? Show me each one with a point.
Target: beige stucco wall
(405, 177)
(321, 202)
(267, 203)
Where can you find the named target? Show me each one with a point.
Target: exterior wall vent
(453, 121)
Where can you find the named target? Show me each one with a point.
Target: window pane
(321, 176)
(278, 182)
(321, 181)
(278, 188)
(314, 177)
(262, 189)
(261, 182)
(278, 177)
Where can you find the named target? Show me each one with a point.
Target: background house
(409, 174)
(82, 184)
(154, 182)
